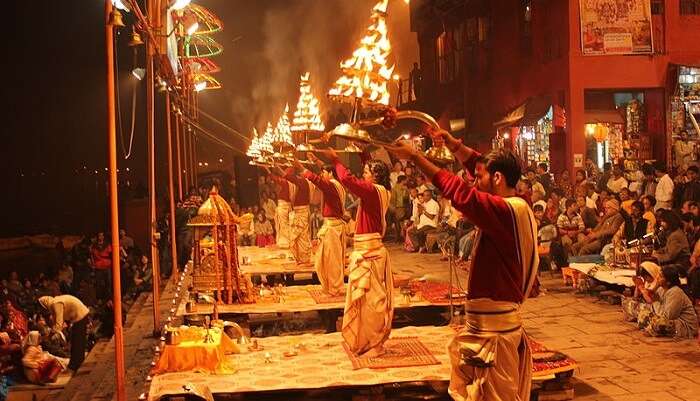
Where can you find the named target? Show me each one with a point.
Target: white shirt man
(430, 207)
(616, 184)
(664, 192)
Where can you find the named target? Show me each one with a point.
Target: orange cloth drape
(198, 356)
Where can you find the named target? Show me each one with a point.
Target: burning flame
(307, 115)
(282, 134)
(366, 73)
(254, 148)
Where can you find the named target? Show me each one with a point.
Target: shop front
(624, 127)
(526, 130)
(685, 113)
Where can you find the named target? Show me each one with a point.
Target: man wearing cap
(603, 232)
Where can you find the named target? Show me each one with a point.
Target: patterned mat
(400, 352)
(321, 297)
(549, 362)
(436, 292)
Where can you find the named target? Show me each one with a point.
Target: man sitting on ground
(427, 211)
(593, 242)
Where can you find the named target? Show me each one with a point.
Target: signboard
(615, 27)
(578, 160)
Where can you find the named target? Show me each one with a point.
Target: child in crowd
(263, 231)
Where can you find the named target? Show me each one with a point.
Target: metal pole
(114, 207)
(178, 162)
(171, 188)
(150, 120)
(185, 142)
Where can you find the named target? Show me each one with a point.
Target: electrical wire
(126, 153)
(208, 135)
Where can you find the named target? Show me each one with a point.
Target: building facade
(525, 75)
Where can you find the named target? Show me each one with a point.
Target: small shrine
(215, 253)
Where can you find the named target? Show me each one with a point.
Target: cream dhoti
(330, 256)
(490, 356)
(299, 235)
(284, 208)
(369, 307)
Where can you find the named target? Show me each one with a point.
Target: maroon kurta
(302, 196)
(496, 271)
(369, 216)
(282, 188)
(332, 205)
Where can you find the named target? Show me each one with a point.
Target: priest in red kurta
(369, 307)
(299, 230)
(285, 192)
(490, 357)
(329, 261)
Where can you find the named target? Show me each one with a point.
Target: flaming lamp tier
(366, 74)
(265, 142)
(254, 149)
(307, 115)
(282, 134)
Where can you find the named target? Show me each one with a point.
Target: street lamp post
(150, 122)
(114, 205)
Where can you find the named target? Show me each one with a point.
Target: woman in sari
(16, 321)
(39, 366)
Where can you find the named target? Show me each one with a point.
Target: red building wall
(506, 76)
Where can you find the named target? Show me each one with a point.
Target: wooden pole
(171, 188)
(114, 207)
(150, 123)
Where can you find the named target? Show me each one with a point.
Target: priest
(329, 260)
(285, 192)
(490, 355)
(299, 230)
(369, 307)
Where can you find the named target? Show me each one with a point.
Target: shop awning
(528, 113)
(603, 116)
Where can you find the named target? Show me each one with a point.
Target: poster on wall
(615, 27)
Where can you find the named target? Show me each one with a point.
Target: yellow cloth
(198, 356)
(299, 235)
(284, 208)
(330, 256)
(651, 218)
(491, 359)
(369, 307)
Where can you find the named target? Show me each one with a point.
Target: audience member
(676, 249)
(610, 222)
(664, 188)
(264, 234)
(425, 218)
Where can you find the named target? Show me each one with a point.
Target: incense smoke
(282, 39)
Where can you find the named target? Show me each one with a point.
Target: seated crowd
(589, 218)
(47, 318)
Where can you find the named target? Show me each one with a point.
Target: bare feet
(375, 352)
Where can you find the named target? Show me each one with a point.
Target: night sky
(55, 134)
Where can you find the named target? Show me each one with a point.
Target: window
(690, 7)
(450, 54)
(657, 7)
